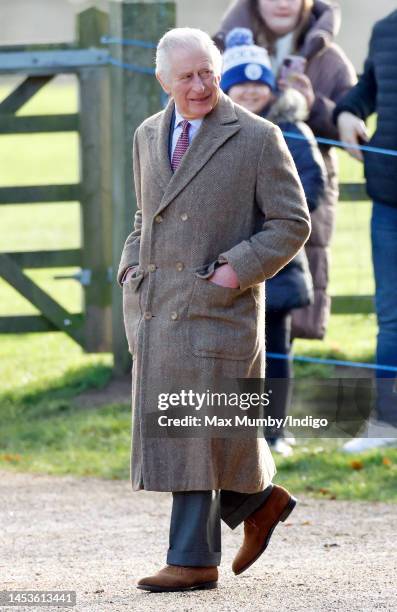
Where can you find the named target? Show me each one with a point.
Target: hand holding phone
(292, 64)
(292, 74)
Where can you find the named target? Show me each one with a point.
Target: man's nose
(198, 84)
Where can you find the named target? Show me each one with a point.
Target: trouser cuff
(194, 558)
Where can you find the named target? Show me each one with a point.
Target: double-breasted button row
(179, 266)
(160, 218)
(148, 315)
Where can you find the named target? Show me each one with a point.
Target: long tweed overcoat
(236, 196)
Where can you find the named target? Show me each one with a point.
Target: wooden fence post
(135, 96)
(96, 204)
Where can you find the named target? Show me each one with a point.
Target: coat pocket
(132, 308)
(222, 322)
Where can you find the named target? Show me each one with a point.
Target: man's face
(192, 82)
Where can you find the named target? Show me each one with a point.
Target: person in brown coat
(305, 28)
(220, 210)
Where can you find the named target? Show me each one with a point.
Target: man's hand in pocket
(225, 276)
(129, 273)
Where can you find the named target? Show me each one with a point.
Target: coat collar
(217, 127)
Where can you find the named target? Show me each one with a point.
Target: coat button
(151, 267)
(148, 315)
(158, 219)
(179, 266)
(174, 316)
(184, 217)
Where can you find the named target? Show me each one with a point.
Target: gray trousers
(195, 530)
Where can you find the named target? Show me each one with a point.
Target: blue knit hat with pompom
(243, 61)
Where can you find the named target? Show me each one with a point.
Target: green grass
(43, 430)
(67, 440)
(46, 432)
(42, 427)
(321, 470)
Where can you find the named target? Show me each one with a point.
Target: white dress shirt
(194, 128)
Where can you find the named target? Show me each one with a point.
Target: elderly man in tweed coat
(220, 209)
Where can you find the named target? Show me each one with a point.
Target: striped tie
(181, 145)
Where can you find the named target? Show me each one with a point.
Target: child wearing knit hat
(247, 75)
(248, 79)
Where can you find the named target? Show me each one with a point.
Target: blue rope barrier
(131, 67)
(346, 145)
(329, 141)
(128, 42)
(149, 45)
(112, 40)
(335, 362)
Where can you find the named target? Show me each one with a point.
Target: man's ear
(163, 84)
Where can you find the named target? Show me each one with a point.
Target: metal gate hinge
(83, 276)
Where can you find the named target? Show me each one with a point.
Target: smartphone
(292, 64)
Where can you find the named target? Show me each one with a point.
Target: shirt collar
(194, 122)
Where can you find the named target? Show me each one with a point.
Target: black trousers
(278, 371)
(195, 530)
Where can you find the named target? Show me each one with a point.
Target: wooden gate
(115, 96)
(92, 327)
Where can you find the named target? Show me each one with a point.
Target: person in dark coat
(376, 91)
(306, 28)
(248, 79)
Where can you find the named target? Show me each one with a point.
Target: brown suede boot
(259, 526)
(180, 578)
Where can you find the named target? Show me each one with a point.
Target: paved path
(98, 537)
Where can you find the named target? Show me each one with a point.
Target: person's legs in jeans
(278, 340)
(384, 256)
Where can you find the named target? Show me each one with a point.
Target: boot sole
(283, 517)
(195, 587)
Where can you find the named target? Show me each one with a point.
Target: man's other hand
(353, 131)
(129, 273)
(225, 276)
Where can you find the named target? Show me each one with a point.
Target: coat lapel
(217, 127)
(158, 147)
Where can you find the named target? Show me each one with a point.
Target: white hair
(185, 38)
